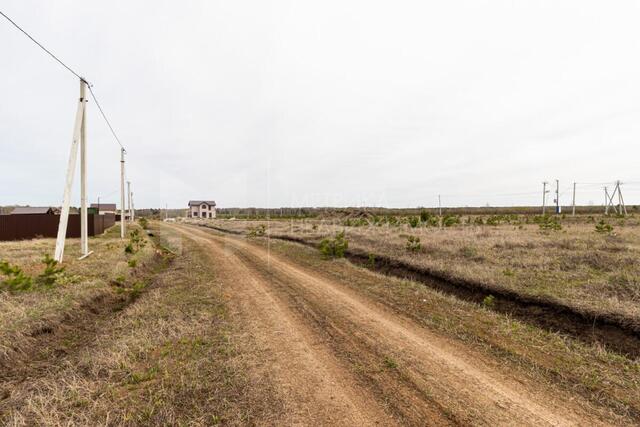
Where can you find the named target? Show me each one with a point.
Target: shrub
(144, 223)
(603, 227)
(469, 252)
(433, 221)
(51, 272)
(372, 260)
(334, 248)
(546, 222)
(489, 301)
(450, 220)
(136, 242)
(15, 279)
(259, 231)
(493, 220)
(478, 221)
(425, 216)
(413, 244)
(414, 221)
(390, 363)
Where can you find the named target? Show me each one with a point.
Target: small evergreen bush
(603, 227)
(334, 248)
(15, 279)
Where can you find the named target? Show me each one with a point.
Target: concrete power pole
(84, 230)
(573, 201)
(78, 140)
(557, 196)
(544, 196)
(439, 206)
(123, 226)
(621, 205)
(133, 208)
(622, 209)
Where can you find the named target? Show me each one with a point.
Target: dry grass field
(201, 327)
(119, 342)
(590, 271)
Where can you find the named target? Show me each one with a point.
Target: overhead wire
(72, 71)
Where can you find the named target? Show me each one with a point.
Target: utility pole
(129, 198)
(84, 226)
(439, 206)
(573, 200)
(622, 206)
(166, 211)
(78, 140)
(622, 209)
(133, 208)
(544, 196)
(557, 196)
(123, 227)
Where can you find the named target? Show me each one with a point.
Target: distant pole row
(620, 208)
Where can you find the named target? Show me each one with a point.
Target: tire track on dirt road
(313, 387)
(454, 384)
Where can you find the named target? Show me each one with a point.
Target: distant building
(202, 209)
(27, 210)
(105, 208)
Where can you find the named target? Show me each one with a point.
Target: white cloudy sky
(298, 103)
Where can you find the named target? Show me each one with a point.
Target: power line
(89, 85)
(42, 47)
(104, 116)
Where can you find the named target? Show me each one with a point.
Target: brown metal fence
(21, 227)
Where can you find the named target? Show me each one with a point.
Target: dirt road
(337, 358)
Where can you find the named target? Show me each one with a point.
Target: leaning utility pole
(544, 196)
(123, 227)
(606, 201)
(79, 132)
(621, 206)
(573, 200)
(621, 209)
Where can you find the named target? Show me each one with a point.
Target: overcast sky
(301, 103)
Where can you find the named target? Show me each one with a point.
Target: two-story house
(202, 209)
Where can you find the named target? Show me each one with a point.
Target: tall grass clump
(413, 244)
